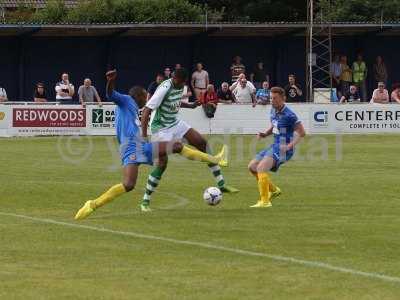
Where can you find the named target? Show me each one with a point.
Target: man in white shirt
(3, 95)
(200, 80)
(65, 90)
(244, 93)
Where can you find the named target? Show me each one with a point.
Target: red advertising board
(49, 117)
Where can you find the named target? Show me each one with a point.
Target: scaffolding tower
(319, 54)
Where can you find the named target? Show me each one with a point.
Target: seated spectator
(65, 90)
(263, 95)
(200, 80)
(39, 95)
(154, 85)
(225, 95)
(259, 75)
(209, 101)
(293, 90)
(380, 95)
(88, 93)
(244, 93)
(351, 96)
(167, 73)
(237, 68)
(3, 95)
(395, 96)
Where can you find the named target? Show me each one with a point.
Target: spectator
(88, 93)
(249, 83)
(237, 68)
(346, 76)
(360, 73)
(3, 95)
(293, 90)
(244, 93)
(225, 95)
(167, 73)
(395, 96)
(39, 95)
(209, 101)
(154, 85)
(380, 71)
(380, 95)
(65, 90)
(263, 95)
(259, 75)
(351, 96)
(178, 66)
(200, 80)
(336, 71)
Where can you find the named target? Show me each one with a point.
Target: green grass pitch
(341, 209)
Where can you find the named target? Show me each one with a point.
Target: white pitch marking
(307, 263)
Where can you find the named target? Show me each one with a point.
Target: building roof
(33, 3)
(274, 29)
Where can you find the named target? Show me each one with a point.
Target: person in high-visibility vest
(360, 72)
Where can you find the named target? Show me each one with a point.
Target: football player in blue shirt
(134, 150)
(287, 131)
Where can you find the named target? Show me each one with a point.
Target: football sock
(216, 171)
(152, 182)
(194, 154)
(272, 187)
(108, 196)
(263, 186)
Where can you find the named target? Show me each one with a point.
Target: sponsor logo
(132, 157)
(103, 118)
(2, 115)
(49, 117)
(321, 116)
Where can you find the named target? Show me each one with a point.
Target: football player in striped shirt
(167, 127)
(135, 151)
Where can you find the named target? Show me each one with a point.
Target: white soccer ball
(212, 196)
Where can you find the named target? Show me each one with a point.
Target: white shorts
(173, 133)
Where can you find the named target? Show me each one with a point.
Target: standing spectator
(178, 66)
(380, 71)
(3, 95)
(225, 95)
(351, 96)
(263, 95)
(380, 95)
(244, 93)
(200, 80)
(395, 96)
(65, 90)
(293, 90)
(39, 95)
(154, 85)
(209, 101)
(259, 75)
(360, 73)
(167, 73)
(237, 68)
(88, 93)
(346, 76)
(336, 71)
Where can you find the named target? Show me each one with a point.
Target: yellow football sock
(111, 194)
(263, 186)
(272, 187)
(194, 154)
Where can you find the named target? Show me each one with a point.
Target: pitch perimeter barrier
(29, 119)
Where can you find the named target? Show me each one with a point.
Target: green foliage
(54, 12)
(360, 10)
(23, 13)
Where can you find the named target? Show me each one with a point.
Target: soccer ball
(212, 196)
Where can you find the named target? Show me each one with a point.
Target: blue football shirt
(126, 118)
(284, 123)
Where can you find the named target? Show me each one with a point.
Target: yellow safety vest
(359, 71)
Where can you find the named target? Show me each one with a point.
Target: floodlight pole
(318, 52)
